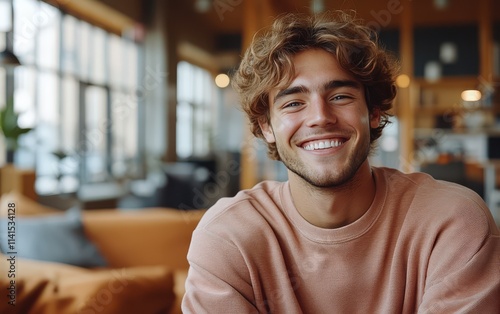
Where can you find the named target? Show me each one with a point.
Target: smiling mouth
(322, 144)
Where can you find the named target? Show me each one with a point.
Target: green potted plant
(11, 130)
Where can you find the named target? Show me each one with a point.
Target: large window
(78, 88)
(195, 111)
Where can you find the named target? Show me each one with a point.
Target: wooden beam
(257, 15)
(405, 99)
(485, 21)
(98, 14)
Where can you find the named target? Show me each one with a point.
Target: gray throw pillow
(54, 238)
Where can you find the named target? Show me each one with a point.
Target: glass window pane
(118, 101)
(5, 16)
(98, 53)
(47, 41)
(45, 185)
(198, 92)
(196, 89)
(131, 121)
(47, 123)
(184, 81)
(198, 134)
(184, 130)
(131, 68)
(125, 131)
(84, 30)
(116, 60)
(95, 133)
(95, 114)
(203, 134)
(69, 44)
(48, 37)
(24, 96)
(27, 20)
(70, 97)
(47, 98)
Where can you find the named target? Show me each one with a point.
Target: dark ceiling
(227, 16)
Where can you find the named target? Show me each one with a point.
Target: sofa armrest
(155, 236)
(48, 287)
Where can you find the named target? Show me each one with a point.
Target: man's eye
(339, 97)
(292, 104)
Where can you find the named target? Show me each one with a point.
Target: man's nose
(320, 113)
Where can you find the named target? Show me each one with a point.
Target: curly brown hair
(267, 63)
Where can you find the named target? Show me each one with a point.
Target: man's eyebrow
(327, 86)
(291, 90)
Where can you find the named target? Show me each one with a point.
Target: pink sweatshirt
(423, 246)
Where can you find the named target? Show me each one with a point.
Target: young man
(340, 236)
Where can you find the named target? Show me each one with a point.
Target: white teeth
(322, 145)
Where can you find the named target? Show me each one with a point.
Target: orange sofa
(145, 252)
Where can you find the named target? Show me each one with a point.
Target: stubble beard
(329, 179)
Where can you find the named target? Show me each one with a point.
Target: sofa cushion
(24, 206)
(45, 287)
(56, 238)
(154, 236)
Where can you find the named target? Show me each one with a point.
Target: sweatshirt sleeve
(463, 274)
(218, 280)
(474, 288)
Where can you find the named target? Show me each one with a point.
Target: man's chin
(327, 183)
(321, 179)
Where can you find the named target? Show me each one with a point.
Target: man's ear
(375, 119)
(266, 129)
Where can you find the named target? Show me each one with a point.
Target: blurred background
(126, 103)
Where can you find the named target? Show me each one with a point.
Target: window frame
(78, 154)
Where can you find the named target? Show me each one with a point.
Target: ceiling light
(471, 95)
(441, 4)
(222, 80)
(432, 71)
(448, 52)
(403, 81)
(202, 6)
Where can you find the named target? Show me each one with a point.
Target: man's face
(320, 122)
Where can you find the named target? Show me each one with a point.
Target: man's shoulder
(423, 183)
(438, 202)
(248, 206)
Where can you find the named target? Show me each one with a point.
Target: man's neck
(337, 206)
